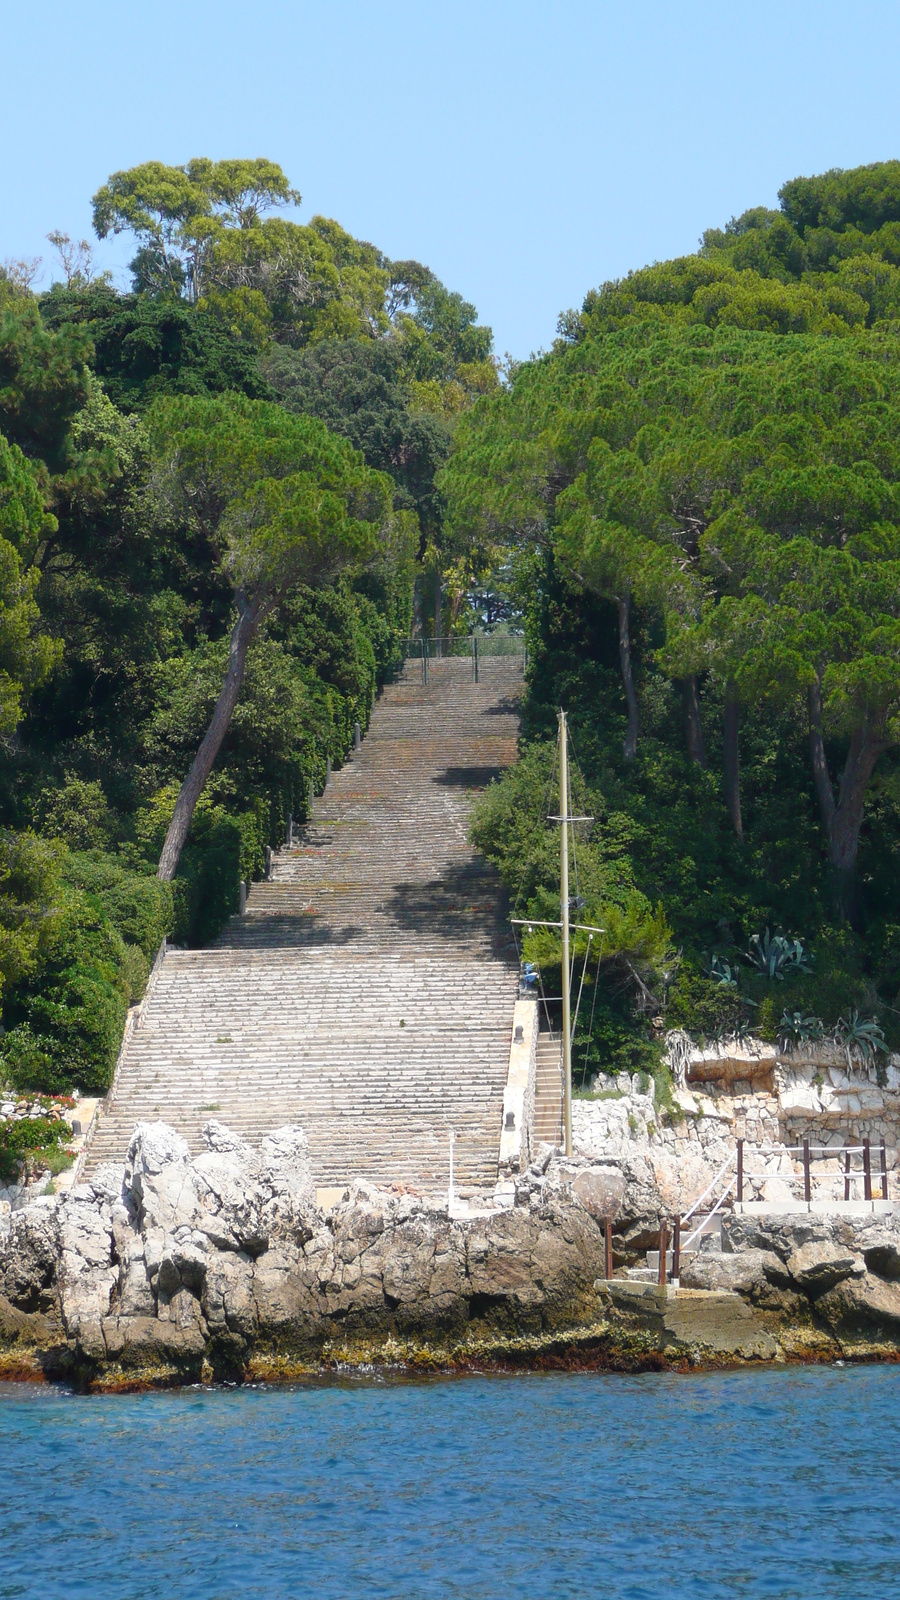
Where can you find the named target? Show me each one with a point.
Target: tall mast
(564, 917)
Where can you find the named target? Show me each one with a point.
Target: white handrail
(699, 1229)
(720, 1174)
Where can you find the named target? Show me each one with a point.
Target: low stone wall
(810, 1095)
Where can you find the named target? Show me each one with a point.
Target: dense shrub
(23, 1140)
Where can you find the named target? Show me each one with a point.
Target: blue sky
(525, 151)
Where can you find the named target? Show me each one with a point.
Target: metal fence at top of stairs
(473, 647)
(848, 1168)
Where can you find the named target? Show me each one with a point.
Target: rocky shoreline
(172, 1270)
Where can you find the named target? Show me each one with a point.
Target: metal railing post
(847, 1173)
(676, 1250)
(475, 644)
(884, 1180)
(807, 1184)
(867, 1171)
(740, 1172)
(607, 1245)
(663, 1251)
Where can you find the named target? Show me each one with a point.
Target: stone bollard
(243, 897)
(289, 831)
(328, 769)
(268, 861)
(357, 736)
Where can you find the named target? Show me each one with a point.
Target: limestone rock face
(747, 1273)
(28, 1257)
(821, 1264)
(861, 1304)
(170, 1260)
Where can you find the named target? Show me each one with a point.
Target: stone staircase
(548, 1090)
(367, 992)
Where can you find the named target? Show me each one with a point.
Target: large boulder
(820, 1264)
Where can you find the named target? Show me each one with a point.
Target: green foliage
(137, 904)
(860, 1037)
(76, 812)
(64, 1026)
(43, 381)
(31, 1140)
(357, 387)
(145, 347)
(775, 956)
(27, 654)
(799, 1028)
(709, 455)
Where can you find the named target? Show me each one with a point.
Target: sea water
(754, 1483)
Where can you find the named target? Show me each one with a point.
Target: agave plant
(736, 1031)
(859, 1036)
(798, 1028)
(721, 971)
(775, 956)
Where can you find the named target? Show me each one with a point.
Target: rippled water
(742, 1484)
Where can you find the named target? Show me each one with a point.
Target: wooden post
(676, 1250)
(740, 1171)
(807, 1185)
(607, 1241)
(847, 1173)
(663, 1251)
(867, 1171)
(884, 1182)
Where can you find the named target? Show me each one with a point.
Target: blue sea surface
(755, 1483)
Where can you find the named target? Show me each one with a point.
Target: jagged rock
(820, 1264)
(169, 1257)
(862, 1305)
(601, 1191)
(29, 1256)
(742, 1274)
(154, 1146)
(881, 1249)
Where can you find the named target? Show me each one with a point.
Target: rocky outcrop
(175, 1267)
(172, 1269)
(840, 1274)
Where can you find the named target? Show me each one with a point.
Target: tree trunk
(732, 760)
(690, 698)
(821, 774)
(629, 749)
(842, 818)
(192, 788)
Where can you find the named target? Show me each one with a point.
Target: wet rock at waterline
(171, 1268)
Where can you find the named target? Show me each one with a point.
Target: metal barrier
(473, 647)
(733, 1178)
